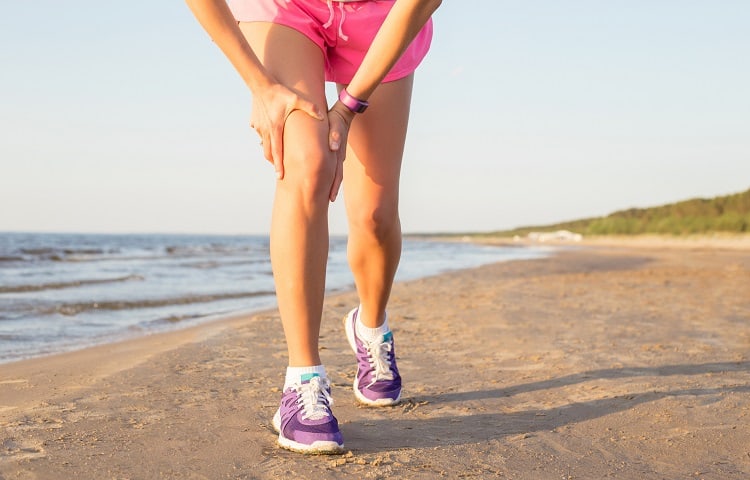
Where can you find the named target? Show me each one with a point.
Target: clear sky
(124, 117)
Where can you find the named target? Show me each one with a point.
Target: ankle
(370, 333)
(296, 375)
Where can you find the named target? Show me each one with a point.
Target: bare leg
(299, 228)
(371, 187)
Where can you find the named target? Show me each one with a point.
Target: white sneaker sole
(381, 402)
(316, 448)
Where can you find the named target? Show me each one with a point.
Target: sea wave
(174, 319)
(70, 284)
(86, 254)
(222, 262)
(70, 309)
(57, 254)
(193, 250)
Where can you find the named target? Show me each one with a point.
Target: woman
(285, 50)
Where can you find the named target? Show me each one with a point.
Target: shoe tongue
(306, 377)
(379, 339)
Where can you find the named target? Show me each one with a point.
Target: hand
(271, 107)
(339, 120)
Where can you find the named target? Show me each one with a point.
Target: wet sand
(598, 362)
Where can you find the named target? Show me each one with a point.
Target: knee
(309, 170)
(378, 222)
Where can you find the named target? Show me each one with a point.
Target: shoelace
(377, 353)
(314, 398)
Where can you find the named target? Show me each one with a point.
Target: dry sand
(597, 362)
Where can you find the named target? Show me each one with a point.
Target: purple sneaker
(304, 419)
(378, 382)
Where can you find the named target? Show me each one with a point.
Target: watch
(352, 103)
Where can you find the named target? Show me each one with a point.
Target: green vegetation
(729, 213)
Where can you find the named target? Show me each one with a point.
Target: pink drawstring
(343, 36)
(330, 12)
(341, 33)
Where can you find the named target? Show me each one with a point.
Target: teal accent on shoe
(378, 382)
(306, 377)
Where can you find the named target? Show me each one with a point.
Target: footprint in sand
(12, 449)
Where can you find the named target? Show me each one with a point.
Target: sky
(124, 117)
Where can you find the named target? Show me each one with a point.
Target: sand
(597, 362)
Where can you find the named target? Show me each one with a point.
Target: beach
(601, 361)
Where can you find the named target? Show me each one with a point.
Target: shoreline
(597, 361)
(124, 353)
(212, 325)
(178, 282)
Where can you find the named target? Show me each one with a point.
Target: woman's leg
(299, 229)
(371, 188)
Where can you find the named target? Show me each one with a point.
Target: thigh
(297, 62)
(375, 149)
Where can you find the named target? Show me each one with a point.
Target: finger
(277, 152)
(276, 157)
(337, 179)
(309, 108)
(334, 140)
(266, 152)
(266, 144)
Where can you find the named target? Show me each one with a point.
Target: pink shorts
(342, 30)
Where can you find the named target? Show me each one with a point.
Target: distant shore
(715, 240)
(625, 358)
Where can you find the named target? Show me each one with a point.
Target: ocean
(62, 292)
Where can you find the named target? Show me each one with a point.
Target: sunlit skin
(307, 146)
